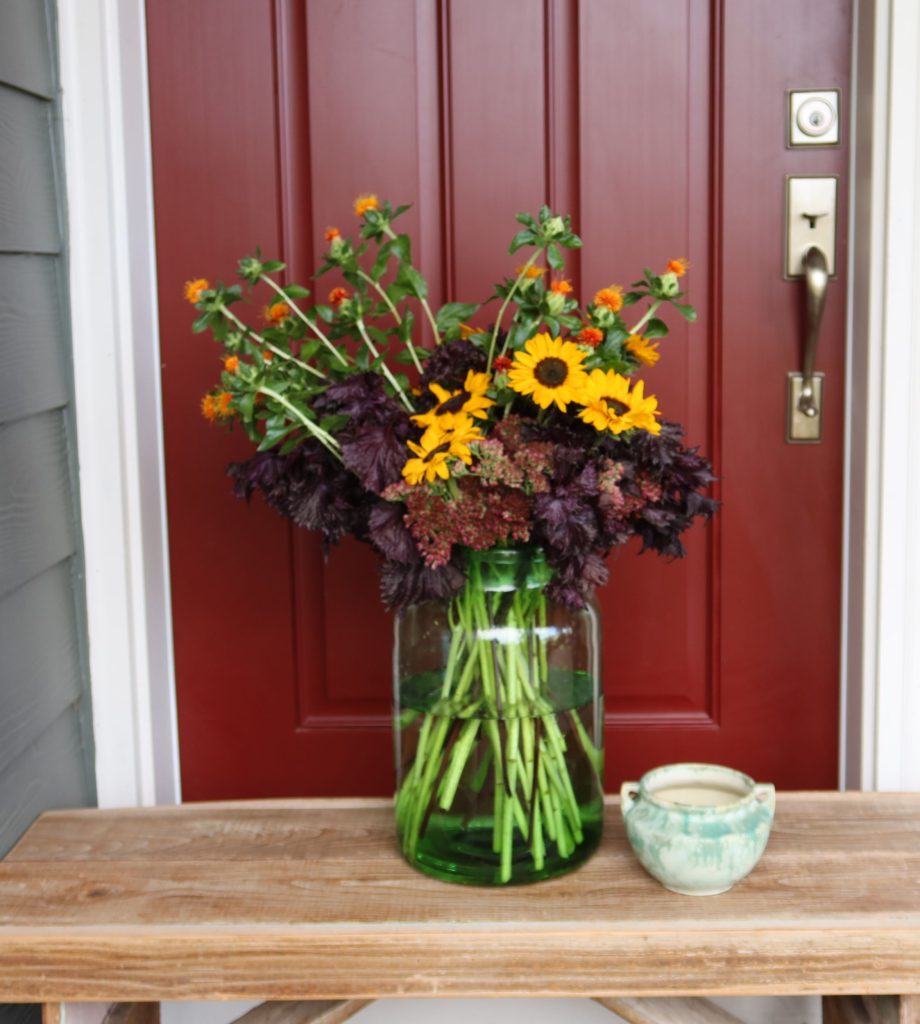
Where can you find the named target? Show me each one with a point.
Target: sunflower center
(620, 408)
(551, 372)
(455, 403)
(440, 450)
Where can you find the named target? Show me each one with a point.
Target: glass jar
(499, 727)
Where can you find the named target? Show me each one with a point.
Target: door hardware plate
(814, 118)
(802, 429)
(811, 219)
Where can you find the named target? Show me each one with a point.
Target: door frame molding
(880, 695)
(119, 415)
(106, 130)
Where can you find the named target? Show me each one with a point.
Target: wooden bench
(308, 906)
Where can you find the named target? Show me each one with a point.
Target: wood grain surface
(316, 1012)
(670, 1011)
(303, 900)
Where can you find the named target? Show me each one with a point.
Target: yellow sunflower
(644, 350)
(549, 370)
(449, 438)
(470, 399)
(644, 410)
(610, 405)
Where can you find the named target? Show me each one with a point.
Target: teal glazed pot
(697, 828)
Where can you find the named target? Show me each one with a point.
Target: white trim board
(881, 614)
(107, 158)
(118, 409)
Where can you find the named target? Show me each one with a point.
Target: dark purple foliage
(403, 584)
(448, 364)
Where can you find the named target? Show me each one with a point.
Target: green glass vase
(499, 727)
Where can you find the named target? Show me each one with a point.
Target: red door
(661, 127)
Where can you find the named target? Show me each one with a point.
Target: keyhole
(812, 218)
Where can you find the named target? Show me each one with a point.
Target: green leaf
(655, 328)
(325, 312)
(686, 310)
(554, 257)
(296, 291)
(630, 298)
(452, 313)
(412, 280)
(380, 264)
(401, 209)
(404, 330)
(402, 248)
(526, 219)
(521, 239)
(272, 266)
(553, 324)
(333, 423)
(201, 324)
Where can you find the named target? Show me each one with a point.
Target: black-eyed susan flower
(644, 350)
(609, 404)
(471, 399)
(448, 438)
(549, 370)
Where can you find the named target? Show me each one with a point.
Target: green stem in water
(303, 316)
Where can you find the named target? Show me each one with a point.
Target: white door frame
(119, 422)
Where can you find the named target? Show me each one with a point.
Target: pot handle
(765, 792)
(629, 792)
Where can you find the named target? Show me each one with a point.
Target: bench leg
(52, 1013)
(871, 1009)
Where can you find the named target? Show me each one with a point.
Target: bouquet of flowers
(525, 427)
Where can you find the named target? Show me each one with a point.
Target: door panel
(660, 126)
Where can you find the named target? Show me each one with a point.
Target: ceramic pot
(697, 828)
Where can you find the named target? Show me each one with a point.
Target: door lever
(805, 389)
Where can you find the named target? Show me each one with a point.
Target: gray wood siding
(37, 528)
(28, 190)
(45, 734)
(40, 676)
(25, 47)
(33, 340)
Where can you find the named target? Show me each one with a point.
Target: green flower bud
(554, 227)
(603, 317)
(669, 284)
(555, 303)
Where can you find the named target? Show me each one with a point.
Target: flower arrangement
(531, 432)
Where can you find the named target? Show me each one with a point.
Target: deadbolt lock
(814, 117)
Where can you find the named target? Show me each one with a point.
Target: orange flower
(224, 403)
(592, 336)
(337, 296)
(563, 286)
(209, 408)
(644, 350)
(501, 364)
(267, 355)
(467, 331)
(611, 298)
(366, 202)
(231, 363)
(331, 234)
(677, 267)
(193, 289)
(531, 272)
(276, 313)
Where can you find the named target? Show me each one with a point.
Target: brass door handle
(805, 390)
(816, 277)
